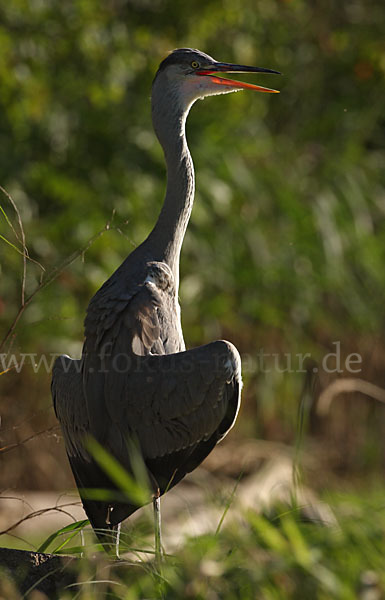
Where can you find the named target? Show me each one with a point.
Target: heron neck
(173, 219)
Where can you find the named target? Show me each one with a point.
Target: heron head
(188, 74)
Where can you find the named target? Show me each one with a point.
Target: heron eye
(195, 64)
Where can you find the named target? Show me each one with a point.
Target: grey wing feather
(176, 401)
(176, 406)
(135, 381)
(69, 404)
(71, 411)
(127, 313)
(123, 321)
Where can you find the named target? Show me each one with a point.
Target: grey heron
(135, 382)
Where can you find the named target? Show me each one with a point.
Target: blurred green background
(286, 246)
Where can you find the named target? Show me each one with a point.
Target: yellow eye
(195, 64)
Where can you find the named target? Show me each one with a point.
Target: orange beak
(230, 68)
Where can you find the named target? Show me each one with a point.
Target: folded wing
(175, 407)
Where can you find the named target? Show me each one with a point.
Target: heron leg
(158, 535)
(117, 540)
(114, 528)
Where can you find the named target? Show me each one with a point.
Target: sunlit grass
(256, 556)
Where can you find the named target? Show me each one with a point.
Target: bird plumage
(135, 383)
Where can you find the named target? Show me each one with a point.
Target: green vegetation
(284, 254)
(291, 182)
(259, 556)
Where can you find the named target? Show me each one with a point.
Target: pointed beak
(212, 70)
